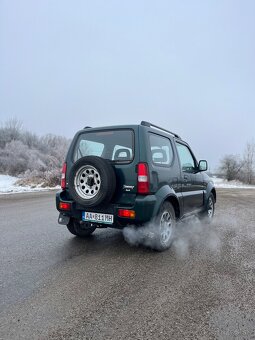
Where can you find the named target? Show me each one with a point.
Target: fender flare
(210, 189)
(166, 193)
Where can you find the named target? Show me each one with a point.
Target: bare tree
(248, 171)
(10, 131)
(34, 159)
(230, 167)
(30, 139)
(14, 127)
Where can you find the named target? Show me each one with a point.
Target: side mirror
(202, 166)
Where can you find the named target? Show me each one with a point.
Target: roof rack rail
(158, 127)
(87, 127)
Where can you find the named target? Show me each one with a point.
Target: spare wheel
(92, 181)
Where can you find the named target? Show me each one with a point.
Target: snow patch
(8, 186)
(222, 183)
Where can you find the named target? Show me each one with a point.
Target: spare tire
(92, 181)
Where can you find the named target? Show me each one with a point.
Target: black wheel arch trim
(167, 194)
(210, 189)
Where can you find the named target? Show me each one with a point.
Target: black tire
(77, 229)
(92, 181)
(207, 215)
(165, 224)
(70, 227)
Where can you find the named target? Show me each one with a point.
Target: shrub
(34, 159)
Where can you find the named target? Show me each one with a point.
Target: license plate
(97, 217)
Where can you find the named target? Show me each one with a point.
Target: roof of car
(143, 123)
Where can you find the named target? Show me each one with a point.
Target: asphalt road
(55, 286)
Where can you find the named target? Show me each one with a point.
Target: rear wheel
(165, 227)
(78, 229)
(207, 215)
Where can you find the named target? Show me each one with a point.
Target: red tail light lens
(63, 177)
(126, 213)
(64, 206)
(143, 184)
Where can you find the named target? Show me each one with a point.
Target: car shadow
(108, 242)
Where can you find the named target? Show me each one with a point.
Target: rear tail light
(64, 206)
(63, 177)
(126, 213)
(143, 184)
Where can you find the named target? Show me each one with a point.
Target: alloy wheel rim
(166, 227)
(210, 208)
(87, 182)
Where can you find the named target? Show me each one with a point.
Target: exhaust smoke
(144, 235)
(190, 234)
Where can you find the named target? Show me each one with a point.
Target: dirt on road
(55, 286)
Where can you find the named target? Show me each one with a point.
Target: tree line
(242, 168)
(32, 158)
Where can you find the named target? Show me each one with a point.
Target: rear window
(115, 145)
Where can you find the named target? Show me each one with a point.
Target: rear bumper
(144, 207)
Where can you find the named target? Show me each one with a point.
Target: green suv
(117, 176)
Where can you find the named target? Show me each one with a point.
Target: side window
(186, 158)
(161, 150)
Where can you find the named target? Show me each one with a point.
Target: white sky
(185, 65)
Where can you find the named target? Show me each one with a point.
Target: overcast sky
(188, 66)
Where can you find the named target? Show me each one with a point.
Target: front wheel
(79, 230)
(165, 227)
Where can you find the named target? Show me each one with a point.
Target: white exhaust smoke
(144, 235)
(190, 234)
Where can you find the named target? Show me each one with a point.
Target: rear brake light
(64, 206)
(63, 177)
(126, 213)
(143, 184)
